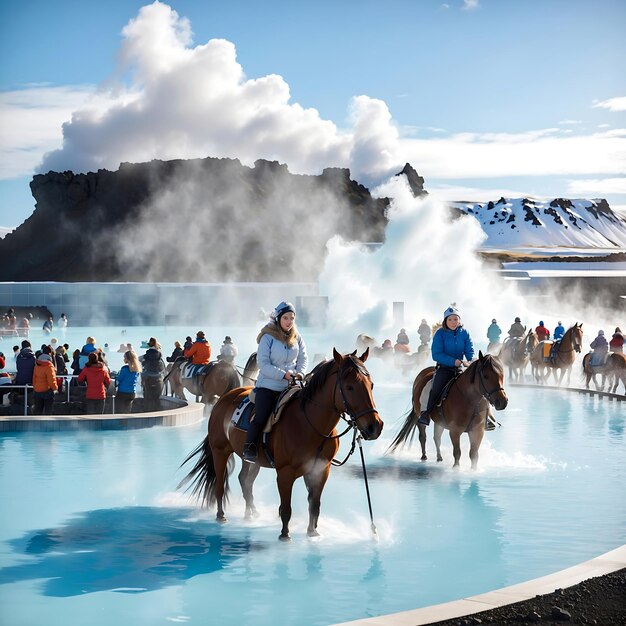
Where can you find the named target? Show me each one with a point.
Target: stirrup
(249, 453)
(490, 423)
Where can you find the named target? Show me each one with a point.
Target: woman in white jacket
(281, 356)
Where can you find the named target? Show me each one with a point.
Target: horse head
(355, 393)
(576, 336)
(531, 341)
(490, 380)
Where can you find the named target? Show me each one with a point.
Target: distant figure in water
(62, 323)
(48, 324)
(424, 331)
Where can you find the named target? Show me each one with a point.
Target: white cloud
(601, 186)
(192, 102)
(468, 5)
(569, 122)
(612, 104)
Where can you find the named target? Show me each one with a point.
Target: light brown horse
(614, 370)
(515, 353)
(464, 410)
(564, 358)
(302, 443)
(220, 379)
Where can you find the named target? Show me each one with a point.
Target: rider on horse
(543, 334)
(600, 347)
(516, 330)
(451, 344)
(559, 331)
(494, 332)
(281, 356)
(200, 350)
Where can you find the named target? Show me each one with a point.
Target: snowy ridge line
(559, 222)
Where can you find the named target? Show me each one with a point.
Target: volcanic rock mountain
(202, 220)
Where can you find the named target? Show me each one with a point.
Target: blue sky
(483, 97)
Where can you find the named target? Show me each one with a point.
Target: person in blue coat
(559, 331)
(452, 347)
(126, 382)
(281, 357)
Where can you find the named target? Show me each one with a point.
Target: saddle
(244, 413)
(598, 360)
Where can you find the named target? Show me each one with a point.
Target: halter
(483, 388)
(361, 369)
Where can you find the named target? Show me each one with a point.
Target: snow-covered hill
(518, 222)
(4, 231)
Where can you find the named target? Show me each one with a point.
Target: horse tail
(202, 478)
(406, 434)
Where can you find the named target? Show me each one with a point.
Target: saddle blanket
(189, 370)
(598, 360)
(244, 413)
(547, 347)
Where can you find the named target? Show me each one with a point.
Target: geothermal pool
(95, 532)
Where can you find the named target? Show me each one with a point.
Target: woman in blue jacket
(451, 348)
(281, 356)
(126, 383)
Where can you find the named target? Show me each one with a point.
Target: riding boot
(250, 453)
(423, 418)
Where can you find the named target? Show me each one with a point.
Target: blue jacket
(493, 333)
(127, 380)
(449, 345)
(276, 358)
(559, 331)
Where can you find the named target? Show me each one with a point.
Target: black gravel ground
(600, 601)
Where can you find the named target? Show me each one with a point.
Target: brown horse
(515, 353)
(220, 379)
(464, 409)
(302, 443)
(564, 357)
(614, 370)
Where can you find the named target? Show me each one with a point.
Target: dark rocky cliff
(200, 220)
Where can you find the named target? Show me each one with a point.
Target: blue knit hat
(282, 308)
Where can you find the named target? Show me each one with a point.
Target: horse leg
(475, 437)
(285, 480)
(422, 438)
(455, 438)
(220, 463)
(247, 476)
(437, 438)
(315, 482)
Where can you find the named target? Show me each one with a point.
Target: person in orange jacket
(96, 375)
(200, 351)
(44, 385)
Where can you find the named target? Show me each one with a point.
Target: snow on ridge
(5, 231)
(514, 222)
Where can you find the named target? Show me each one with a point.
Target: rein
(483, 388)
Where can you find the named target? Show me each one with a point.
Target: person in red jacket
(543, 334)
(617, 342)
(44, 385)
(200, 351)
(96, 375)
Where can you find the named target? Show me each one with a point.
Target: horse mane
(488, 359)
(320, 373)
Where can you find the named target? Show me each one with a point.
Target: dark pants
(43, 402)
(443, 375)
(124, 401)
(95, 407)
(152, 387)
(265, 402)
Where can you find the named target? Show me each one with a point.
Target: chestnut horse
(614, 370)
(569, 345)
(220, 379)
(302, 443)
(464, 409)
(515, 353)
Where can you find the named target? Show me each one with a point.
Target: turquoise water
(94, 531)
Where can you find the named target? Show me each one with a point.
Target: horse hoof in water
(286, 537)
(424, 457)
(312, 534)
(439, 458)
(251, 514)
(221, 519)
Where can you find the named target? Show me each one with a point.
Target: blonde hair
(90, 340)
(133, 362)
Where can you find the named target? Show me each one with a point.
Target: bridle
(485, 393)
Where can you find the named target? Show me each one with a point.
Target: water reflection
(129, 550)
